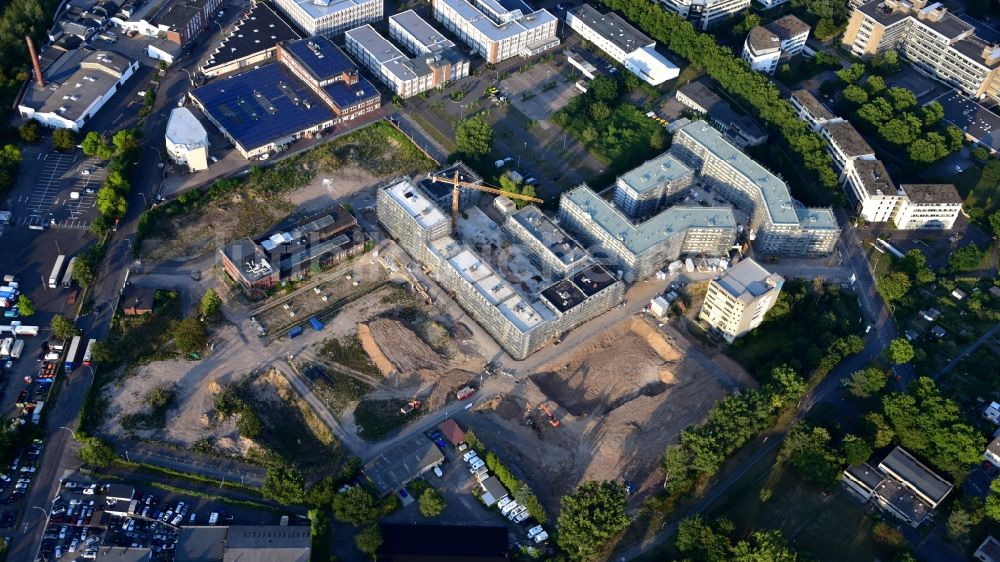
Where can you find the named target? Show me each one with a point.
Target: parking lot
(542, 90)
(61, 191)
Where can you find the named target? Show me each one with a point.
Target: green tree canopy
(91, 143)
(30, 132)
(808, 450)
(603, 89)
(855, 450)
(190, 335)
(431, 503)
(369, 540)
(110, 203)
(899, 351)
(63, 140)
(95, 453)
(866, 382)
(893, 286)
(25, 305)
(590, 517)
(283, 484)
(966, 258)
(63, 328)
(993, 500)
(474, 136)
(211, 304)
(357, 506)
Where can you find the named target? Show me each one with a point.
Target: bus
(87, 353)
(56, 270)
(74, 350)
(67, 279)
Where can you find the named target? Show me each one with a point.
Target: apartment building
(934, 40)
(811, 110)
(868, 183)
(186, 140)
(928, 206)
(177, 21)
(647, 188)
(846, 145)
(779, 225)
(769, 45)
(738, 300)
(330, 17)
(410, 217)
(498, 31)
(705, 13)
(623, 43)
(552, 249)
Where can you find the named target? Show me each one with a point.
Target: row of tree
(756, 89)
(517, 488)
(10, 162)
(122, 152)
(700, 540)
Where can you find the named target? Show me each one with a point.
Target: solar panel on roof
(289, 93)
(264, 103)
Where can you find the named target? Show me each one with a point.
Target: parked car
(522, 516)
(477, 465)
(437, 471)
(516, 511)
(468, 455)
(503, 502)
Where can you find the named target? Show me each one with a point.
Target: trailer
(67, 279)
(20, 330)
(74, 350)
(316, 324)
(88, 352)
(17, 349)
(56, 270)
(5, 347)
(295, 332)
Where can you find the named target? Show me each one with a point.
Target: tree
(101, 352)
(110, 203)
(855, 94)
(30, 132)
(901, 99)
(63, 328)
(25, 306)
(105, 151)
(980, 154)
(967, 258)
(369, 540)
(931, 114)
(431, 503)
(899, 351)
(96, 453)
(283, 484)
(125, 141)
(893, 286)
(357, 506)
(767, 546)
(825, 28)
(993, 501)
(474, 136)
(964, 515)
(995, 223)
(808, 450)
(750, 21)
(603, 89)
(880, 430)
(589, 517)
(63, 140)
(697, 539)
(851, 74)
(875, 84)
(855, 450)
(210, 304)
(867, 382)
(92, 142)
(190, 335)
(249, 423)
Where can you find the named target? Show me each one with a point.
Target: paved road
(970, 349)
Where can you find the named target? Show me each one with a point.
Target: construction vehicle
(457, 183)
(548, 415)
(465, 392)
(410, 407)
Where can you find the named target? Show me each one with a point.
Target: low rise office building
(738, 300)
(252, 42)
(496, 30)
(330, 17)
(741, 130)
(623, 43)
(901, 486)
(767, 46)
(704, 14)
(186, 140)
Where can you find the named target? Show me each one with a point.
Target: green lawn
(377, 418)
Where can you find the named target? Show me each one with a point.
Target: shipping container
(316, 324)
(295, 332)
(17, 349)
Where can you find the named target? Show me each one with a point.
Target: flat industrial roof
(612, 27)
(178, 13)
(777, 199)
(262, 105)
(268, 543)
(201, 543)
(563, 295)
(395, 466)
(639, 238)
(249, 258)
(866, 474)
(320, 57)
(911, 471)
(316, 9)
(848, 139)
(419, 207)
(420, 31)
(517, 23)
(745, 280)
(184, 128)
(75, 82)
(555, 239)
(974, 119)
(444, 542)
(593, 280)
(258, 30)
(652, 174)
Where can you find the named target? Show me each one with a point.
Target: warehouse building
(75, 88)
(738, 300)
(499, 30)
(252, 42)
(769, 45)
(400, 464)
(779, 225)
(330, 17)
(704, 14)
(187, 140)
(623, 43)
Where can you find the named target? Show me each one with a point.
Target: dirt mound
(446, 384)
(401, 346)
(374, 352)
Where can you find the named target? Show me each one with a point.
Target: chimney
(34, 62)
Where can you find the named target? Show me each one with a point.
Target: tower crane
(457, 183)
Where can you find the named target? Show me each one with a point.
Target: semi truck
(67, 279)
(74, 350)
(17, 349)
(56, 270)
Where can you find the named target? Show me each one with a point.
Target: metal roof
(260, 29)
(612, 27)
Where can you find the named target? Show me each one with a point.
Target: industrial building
(313, 87)
(499, 30)
(398, 465)
(738, 300)
(571, 289)
(244, 543)
(779, 225)
(75, 87)
(177, 21)
(186, 140)
(769, 45)
(330, 17)
(259, 265)
(435, 63)
(623, 43)
(741, 130)
(901, 486)
(935, 41)
(704, 14)
(252, 42)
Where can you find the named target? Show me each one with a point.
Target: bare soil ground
(403, 347)
(620, 400)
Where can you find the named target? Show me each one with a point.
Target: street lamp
(143, 195)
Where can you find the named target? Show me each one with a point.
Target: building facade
(330, 17)
(623, 43)
(928, 206)
(705, 13)
(738, 300)
(253, 41)
(769, 45)
(647, 188)
(186, 140)
(496, 32)
(178, 21)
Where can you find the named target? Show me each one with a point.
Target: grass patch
(348, 352)
(155, 469)
(157, 401)
(334, 388)
(377, 418)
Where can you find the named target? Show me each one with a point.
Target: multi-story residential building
(811, 110)
(779, 225)
(737, 300)
(410, 217)
(551, 248)
(623, 43)
(768, 45)
(846, 145)
(407, 76)
(931, 206)
(498, 32)
(645, 189)
(442, 193)
(868, 183)
(330, 17)
(741, 130)
(935, 41)
(253, 41)
(705, 13)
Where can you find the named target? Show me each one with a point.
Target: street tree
(357, 506)
(369, 540)
(590, 517)
(63, 328)
(893, 286)
(91, 143)
(110, 203)
(30, 132)
(25, 306)
(432, 503)
(96, 453)
(899, 351)
(867, 382)
(63, 140)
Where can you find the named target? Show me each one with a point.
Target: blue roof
(344, 94)
(320, 57)
(262, 105)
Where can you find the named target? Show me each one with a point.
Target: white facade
(766, 46)
(768, 4)
(186, 140)
(623, 43)
(928, 206)
(738, 300)
(330, 17)
(705, 13)
(495, 32)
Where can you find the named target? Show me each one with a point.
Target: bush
(369, 540)
(95, 453)
(190, 336)
(357, 506)
(30, 132)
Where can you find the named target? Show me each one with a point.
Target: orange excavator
(548, 415)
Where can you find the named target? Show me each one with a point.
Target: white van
(468, 455)
(213, 518)
(508, 508)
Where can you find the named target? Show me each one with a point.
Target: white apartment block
(497, 32)
(738, 300)
(928, 206)
(186, 140)
(705, 13)
(811, 110)
(769, 45)
(935, 41)
(779, 225)
(330, 17)
(623, 43)
(846, 145)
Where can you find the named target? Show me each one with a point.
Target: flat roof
(317, 9)
(390, 57)
(200, 544)
(989, 551)
(559, 244)
(927, 193)
(185, 129)
(719, 109)
(777, 199)
(563, 295)
(75, 82)
(178, 13)
(652, 174)
(746, 280)
(420, 31)
(320, 57)
(813, 105)
(763, 40)
(268, 543)
(866, 474)
(639, 238)
(258, 30)
(444, 542)
(494, 487)
(875, 177)
(262, 105)
(883, 14)
(419, 207)
(438, 189)
(249, 258)
(971, 117)
(848, 139)
(787, 27)
(123, 554)
(902, 499)
(816, 219)
(914, 473)
(323, 224)
(516, 22)
(612, 27)
(593, 280)
(120, 491)
(395, 466)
